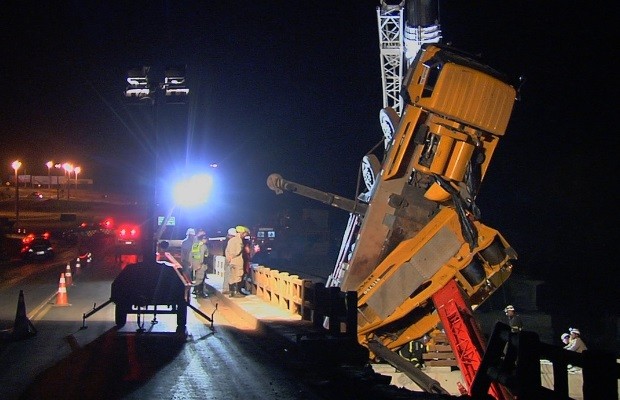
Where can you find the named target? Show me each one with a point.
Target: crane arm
(278, 184)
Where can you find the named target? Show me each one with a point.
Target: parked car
(37, 248)
(127, 239)
(128, 235)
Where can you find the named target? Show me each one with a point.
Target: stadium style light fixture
(174, 85)
(138, 87)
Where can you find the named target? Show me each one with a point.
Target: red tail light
(28, 239)
(128, 233)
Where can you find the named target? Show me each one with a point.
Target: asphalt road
(64, 360)
(68, 356)
(71, 358)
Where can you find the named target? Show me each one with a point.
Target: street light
(49, 166)
(77, 170)
(58, 166)
(16, 165)
(68, 169)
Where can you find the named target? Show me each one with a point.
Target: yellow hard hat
(241, 229)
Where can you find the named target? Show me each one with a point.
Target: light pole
(49, 166)
(68, 169)
(16, 165)
(77, 170)
(57, 166)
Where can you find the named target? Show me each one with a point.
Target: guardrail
(218, 265)
(514, 360)
(273, 286)
(329, 309)
(279, 288)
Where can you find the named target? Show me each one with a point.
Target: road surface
(68, 358)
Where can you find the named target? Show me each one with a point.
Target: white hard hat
(575, 331)
(190, 231)
(564, 336)
(509, 308)
(232, 232)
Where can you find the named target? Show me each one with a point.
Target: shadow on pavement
(108, 368)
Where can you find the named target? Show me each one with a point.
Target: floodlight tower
(142, 90)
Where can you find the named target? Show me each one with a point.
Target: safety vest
(195, 252)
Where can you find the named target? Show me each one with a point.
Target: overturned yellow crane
(414, 241)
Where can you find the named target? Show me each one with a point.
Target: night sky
(295, 88)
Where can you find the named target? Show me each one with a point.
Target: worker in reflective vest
(197, 258)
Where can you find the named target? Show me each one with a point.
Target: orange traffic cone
(68, 276)
(23, 328)
(62, 299)
(77, 263)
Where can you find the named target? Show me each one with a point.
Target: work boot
(196, 289)
(244, 291)
(226, 291)
(234, 292)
